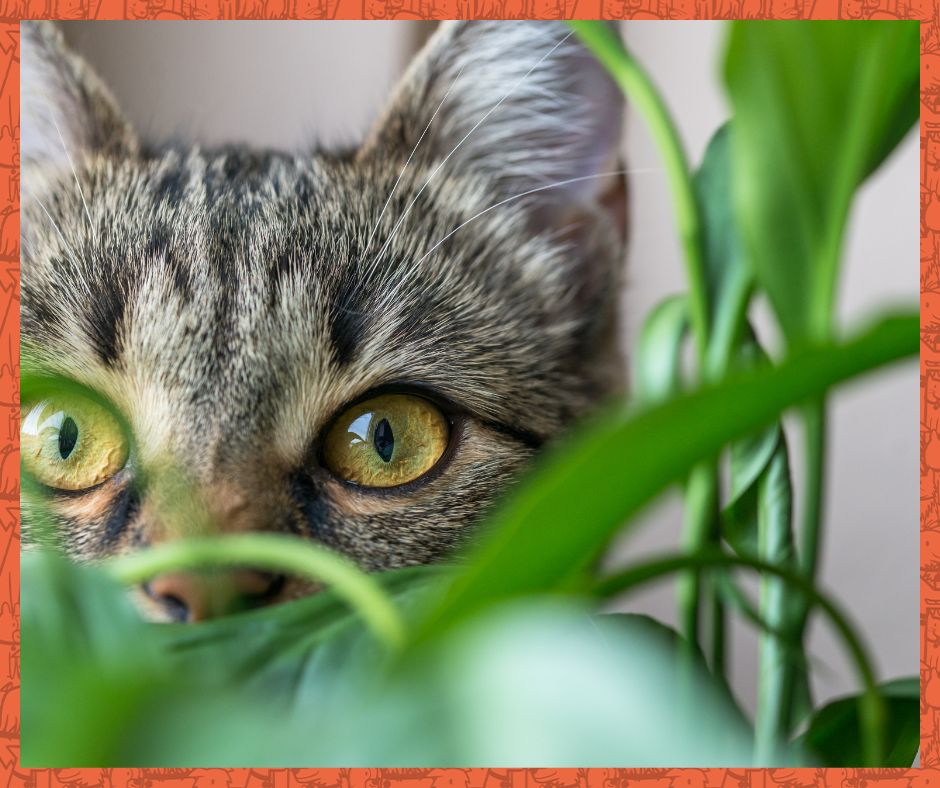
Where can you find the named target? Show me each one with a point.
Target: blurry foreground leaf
(535, 682)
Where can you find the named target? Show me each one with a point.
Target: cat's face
(333, 345)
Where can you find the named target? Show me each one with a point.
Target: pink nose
(192, 596)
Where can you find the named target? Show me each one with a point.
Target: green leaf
(727, 276)
(657, 357)
(834, 735)
(627, 459)
(568, 685)
(750, 457)
(130, 686)
(817, 106)
(541, 681)
(870, 704)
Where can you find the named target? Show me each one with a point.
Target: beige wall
(281, 83)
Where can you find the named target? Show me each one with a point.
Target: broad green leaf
(834, 739)
(657, 357)
(817, 106)
(546, 683)
(625, 459)
(229, 682)
(86, 650)
(566, 684)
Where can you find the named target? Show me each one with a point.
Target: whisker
(55, 225)
(405, 167)
(464, 139)
(519, 196)
(68, 248)
(526, 194)
(91, 224)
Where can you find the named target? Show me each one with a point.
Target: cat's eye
(71, 442)
(385, 441)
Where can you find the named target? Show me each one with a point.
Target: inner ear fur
(65, 108)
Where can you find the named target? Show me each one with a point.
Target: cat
(364, 347)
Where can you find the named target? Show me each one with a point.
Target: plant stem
(814, 427)
(814, 436)
(701, 500)
(871, 701)
(638, 87)
(777, 646)
(702, 494)
(718, 631)
(272, 552)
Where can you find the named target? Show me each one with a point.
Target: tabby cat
(362, 347)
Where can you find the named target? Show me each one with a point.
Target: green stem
(777, 666)
(272, 552)
(701, 497)
(872, 704)
(718, 632)
(701, 503)
(814, 416)
(638, 87)
(793, 678)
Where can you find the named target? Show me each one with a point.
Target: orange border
(927, 11)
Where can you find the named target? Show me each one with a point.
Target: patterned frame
(13, 776)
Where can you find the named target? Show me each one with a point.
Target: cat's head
(362, 348)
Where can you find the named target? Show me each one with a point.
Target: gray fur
(229, 303)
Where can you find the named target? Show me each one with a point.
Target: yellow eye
(386, 441)
(70, 442)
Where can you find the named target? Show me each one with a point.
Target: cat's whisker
(55, 225)
(464, 139)
(68, 156)
(407, 162)
(494, 206)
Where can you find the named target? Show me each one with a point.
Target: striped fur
(229, 303)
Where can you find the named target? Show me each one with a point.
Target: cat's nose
(198, 596)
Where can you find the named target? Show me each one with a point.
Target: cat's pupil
(384, 440)
(68, 437)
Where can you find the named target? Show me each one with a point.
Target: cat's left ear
(523, 102)
(65, 108)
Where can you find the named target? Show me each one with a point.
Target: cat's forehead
(264, 291)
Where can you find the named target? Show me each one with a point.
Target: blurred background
(286, 84)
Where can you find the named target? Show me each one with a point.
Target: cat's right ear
(65, 108)
(520, 101)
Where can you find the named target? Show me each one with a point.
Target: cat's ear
(65, 108)
(524, 102)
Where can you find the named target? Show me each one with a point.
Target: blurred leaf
(131, 687)
(657, 364)
(750, 457)
(870, 703)
(817, 106)
(626, 459)
(834, 736)
(545, 682)
(85, 650)
(728, 278)
(537, 682)
(783, 694)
